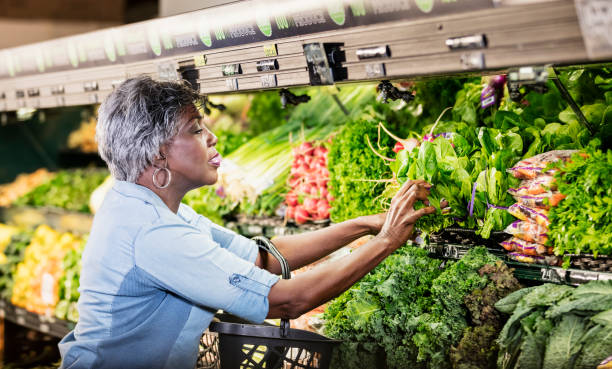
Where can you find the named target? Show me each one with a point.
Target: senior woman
(155, 272)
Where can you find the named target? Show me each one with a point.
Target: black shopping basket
(247, 346)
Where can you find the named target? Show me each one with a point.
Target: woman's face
(192, 157)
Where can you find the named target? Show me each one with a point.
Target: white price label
(47, 289)
(595, 17)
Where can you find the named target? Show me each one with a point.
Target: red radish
(323, 209)
(290, 212)
(398, 147)
(302, 170)
(305, 188)
(311, 178)
(329, 198)
(305, 148)
(321, 182)
(299, 160)
(320, 151)
(291, 199)
(301, 215)
(308, 160)
(310, 205)
(294, 182)
(324, 172)
(314, 191)
(324, 192)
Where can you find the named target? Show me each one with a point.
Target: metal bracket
(373, 52)
(525, 79)
(478, 41)
(287, 97)
(388, 91)
(325, 63)
(267, 65)
(570, 100)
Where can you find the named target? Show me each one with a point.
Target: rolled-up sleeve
(237, 244)
(183, 260)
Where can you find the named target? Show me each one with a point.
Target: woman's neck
(171, 195)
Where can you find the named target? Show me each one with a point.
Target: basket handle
(266, 244)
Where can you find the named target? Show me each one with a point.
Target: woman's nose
(212, 140)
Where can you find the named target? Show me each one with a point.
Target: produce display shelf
(59, 219)
(272, 226)
(46, 324)
(524, 271)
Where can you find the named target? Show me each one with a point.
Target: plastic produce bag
(539, 216)
(534, 166)
(516, 244)
(536, 186)
(543, 201)
(535, 259)
(528, 231)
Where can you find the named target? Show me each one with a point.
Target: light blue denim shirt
(152, 281)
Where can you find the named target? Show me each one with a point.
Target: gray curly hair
(136, 119)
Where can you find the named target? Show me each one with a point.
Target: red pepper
(398, 147)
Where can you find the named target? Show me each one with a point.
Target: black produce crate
(464, 236)
(45, 324)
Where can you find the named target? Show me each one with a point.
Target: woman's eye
(198, 131)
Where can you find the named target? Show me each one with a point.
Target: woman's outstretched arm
(305, 248)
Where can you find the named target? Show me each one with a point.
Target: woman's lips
(215, 160)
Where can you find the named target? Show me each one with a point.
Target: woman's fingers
(409, 184)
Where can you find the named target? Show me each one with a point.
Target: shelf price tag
(231, 69)
(270, 50)
(268, 80)
(90, 86)
(167, 71)
(595, 18)
(553, 275)
(473, 60)
(231, 84)
(199, 60)
(375, 70)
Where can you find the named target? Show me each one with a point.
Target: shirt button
(236, 279)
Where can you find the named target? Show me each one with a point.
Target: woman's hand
(399, 221)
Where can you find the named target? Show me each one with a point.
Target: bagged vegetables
(532, 167)
(528, 231)
(536, 186)
(522, 212)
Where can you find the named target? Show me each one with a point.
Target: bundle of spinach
(467, 169)
(407, 312)
(581, 222)
(557, 326)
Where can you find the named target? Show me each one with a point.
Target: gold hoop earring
(168, 174)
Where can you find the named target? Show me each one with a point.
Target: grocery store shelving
(42, 323)
(267, 46)
(56, 218)
(523, 271)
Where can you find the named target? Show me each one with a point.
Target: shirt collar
(145, 194)
(140, 192)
